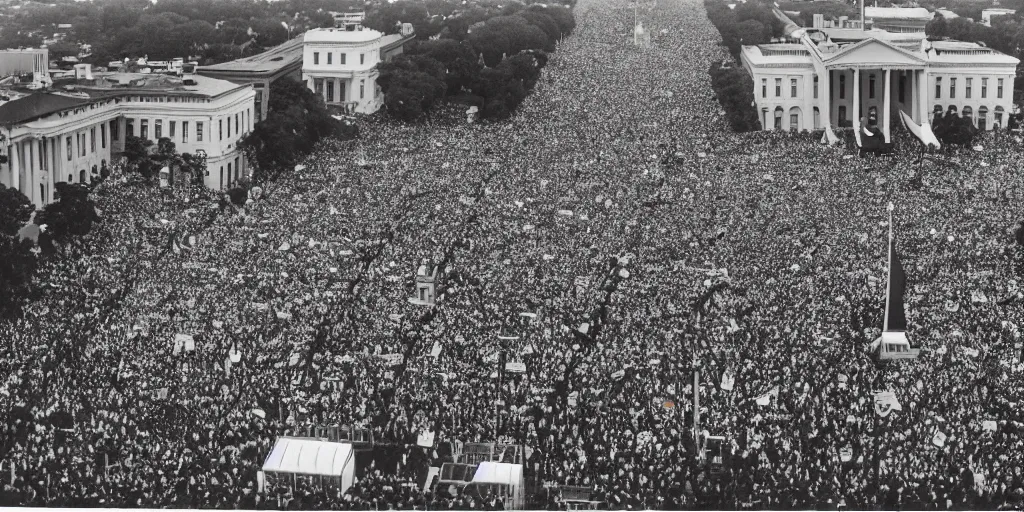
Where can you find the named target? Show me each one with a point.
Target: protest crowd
(612, 236)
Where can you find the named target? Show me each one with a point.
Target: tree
(138, 156)
(735, 92)
(953, 130)
(68, 219)
(296, 121)
(460, 63)
(15, 210)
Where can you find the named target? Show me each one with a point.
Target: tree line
(493, 64)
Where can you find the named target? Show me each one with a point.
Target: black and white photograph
(500, 255)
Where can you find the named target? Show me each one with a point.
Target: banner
(393, 359)
(619, 374)
(989, 425)
(186, 340)
(846, 454)
(939, 439)
(425, 439)
(728, 381)
(435, 350)
(765, 399)
(513, 367)
(886, 402)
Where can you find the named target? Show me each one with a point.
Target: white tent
(312, 458)
(504, 480)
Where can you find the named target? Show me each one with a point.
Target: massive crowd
(640, 234)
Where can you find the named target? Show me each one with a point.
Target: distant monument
(426, 280)
(641, 37)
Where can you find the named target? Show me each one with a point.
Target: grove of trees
(748, 24)
(296, 121)
(953, 130)
(735, 92)
(496, 61)
(212, 31)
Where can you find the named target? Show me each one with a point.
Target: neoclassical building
(69, 132)
(340, 64)
(846, 77)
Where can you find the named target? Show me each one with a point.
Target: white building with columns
(71, 132)
(340, 65)
(846, 77)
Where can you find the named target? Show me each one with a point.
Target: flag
(886, 402)
(765, 399)
(895, 316)
(728, 381)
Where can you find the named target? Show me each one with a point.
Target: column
(824, 93)
(15, 163)
(886, 105)
(922, 96)
(54, 158)
(911, 94)
(855, 114)
(30, 166)
(808, 105)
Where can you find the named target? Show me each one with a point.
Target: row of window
(325, 89)
(342, 59)
(158, 129)
(85, 142)
(968, 113)
(968, 90)
(241, 119)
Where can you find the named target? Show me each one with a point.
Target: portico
(871, 82)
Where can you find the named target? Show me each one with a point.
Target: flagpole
(888, 282)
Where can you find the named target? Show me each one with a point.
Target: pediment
(874, 53)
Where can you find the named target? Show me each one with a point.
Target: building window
(362, 59)
(903, 89)
(952, 88)
(815, 86)
(842, 87)
(764, 87)
(792, 87)
(184, 132)
(316, 61)
(199, 131)
(983, 118)
(362, 89)
(984, 88)
(220, 128)
(936, 112)
(329, 58)
(81, 144)
(318, 87)
(778, 87)
(222, 177)
(70, 150)
(999, 88)
(938, 87)
(967, 92)
(871, 86)
(92, 139)
(330, 93)
(114, 134)
(145, 129)
(778, 118)
(170, 131)
(342, 58)
(158, 128)
(103, 136)
(842, 115)
(129, 127)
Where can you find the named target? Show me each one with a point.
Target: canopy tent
(312, 458)
(501, 479)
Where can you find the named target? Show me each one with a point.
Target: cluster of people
(615, 238)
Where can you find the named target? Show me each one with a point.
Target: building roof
(35, 106)
(270, 61)
(392, 40)
(898, 13)
(117, 84)
(334, 35)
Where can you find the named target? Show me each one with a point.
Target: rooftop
(335, 35)
(270, 61)
(898, 13)
(35, 106)
(110, 84)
